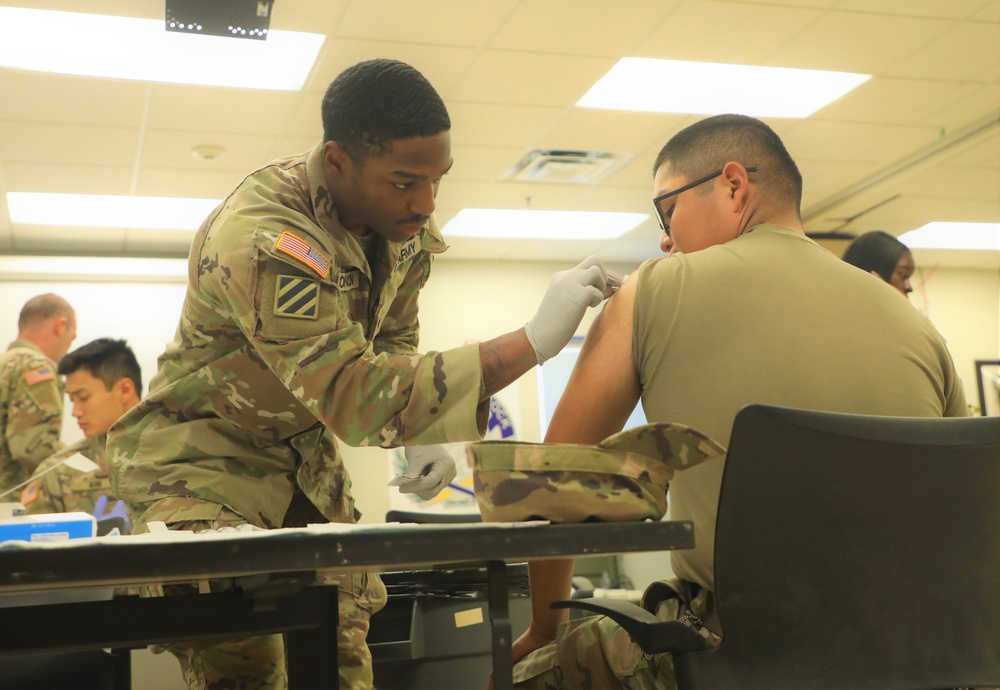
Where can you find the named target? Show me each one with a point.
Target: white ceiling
(923, 131)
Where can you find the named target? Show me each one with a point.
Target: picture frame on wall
(988, 381)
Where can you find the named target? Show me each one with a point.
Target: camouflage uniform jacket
(64, 489)
(288, 339)
(31, 404)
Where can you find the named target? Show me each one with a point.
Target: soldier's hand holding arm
(432, 467)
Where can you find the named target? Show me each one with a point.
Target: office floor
(155, 671)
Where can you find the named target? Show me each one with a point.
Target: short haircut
(876, 251)
(42, 308)
(373, 103)
(106, 359)
(706, 146)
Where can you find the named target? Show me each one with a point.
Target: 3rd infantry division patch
(296, 297)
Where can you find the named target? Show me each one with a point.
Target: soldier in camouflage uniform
(30, 391)
(103, 382)
(300, 328)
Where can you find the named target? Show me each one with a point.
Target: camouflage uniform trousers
(258, 663)
(595, 653)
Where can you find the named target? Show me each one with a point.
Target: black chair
(850, 552)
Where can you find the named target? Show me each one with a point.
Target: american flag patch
(38, 375)
(29, 493)
(294, 247)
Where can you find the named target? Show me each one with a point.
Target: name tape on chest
(296, 298)
(410, 249)
(36, 376)
(301, 250)
(346, 280)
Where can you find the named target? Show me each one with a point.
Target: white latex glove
(431, 468)
(562, 308)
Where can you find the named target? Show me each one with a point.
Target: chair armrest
(650, 633)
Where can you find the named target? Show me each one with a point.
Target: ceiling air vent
(566, 167)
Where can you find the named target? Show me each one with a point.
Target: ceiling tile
(981, 184)
(443, 65)
(313, 16)
(990, 12)
(608, 130)
(174, 149)
(193, 184)
(952, 9)
(828, 140)
(307, 118)
(484, 124)
(891, 101)
(56, 98)
(580, 27)
(525, 78)
(638, 172)
(967, 50)
(518, 195)
(60, 178)
(970, 103)
(855, 42)
(451, 22)
(204, 108)
(482, 162)
(67, 144)
(718, 31)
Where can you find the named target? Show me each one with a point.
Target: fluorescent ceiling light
(106, 268)
(706, 88)
(98, 211)
(541, 225)
(94, 45)
(942, 235)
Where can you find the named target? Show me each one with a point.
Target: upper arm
(603, 388)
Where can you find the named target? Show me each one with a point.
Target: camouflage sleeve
(34, 419)
(400, 331)
(45, 493)
(325, 360)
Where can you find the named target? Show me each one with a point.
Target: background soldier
(103, 382)
(30, 392)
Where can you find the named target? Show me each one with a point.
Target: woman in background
(884, 256)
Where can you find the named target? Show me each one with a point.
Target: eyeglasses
(661, 212)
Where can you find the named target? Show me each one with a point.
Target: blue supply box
(48, 527)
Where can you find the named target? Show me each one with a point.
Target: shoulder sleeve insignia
(300, 249)
(297, 298)
(43, 373)
(29, 494)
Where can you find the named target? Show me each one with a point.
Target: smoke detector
(562, 166)
(207, 152)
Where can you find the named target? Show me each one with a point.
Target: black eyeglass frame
(661, 217)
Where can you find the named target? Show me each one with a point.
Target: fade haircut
(876, 251)
(42, 308)
(106, 359)
(707, 145)
(373, 103)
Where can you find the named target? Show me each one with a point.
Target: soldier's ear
(336, 159)
(124, 388)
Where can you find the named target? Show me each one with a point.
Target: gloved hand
(567, 298)
(431, 467)
(101, 504)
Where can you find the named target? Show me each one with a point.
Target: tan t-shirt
(771, 317)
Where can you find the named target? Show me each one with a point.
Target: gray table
(266, 578)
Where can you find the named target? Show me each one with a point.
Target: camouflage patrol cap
(624, 477)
